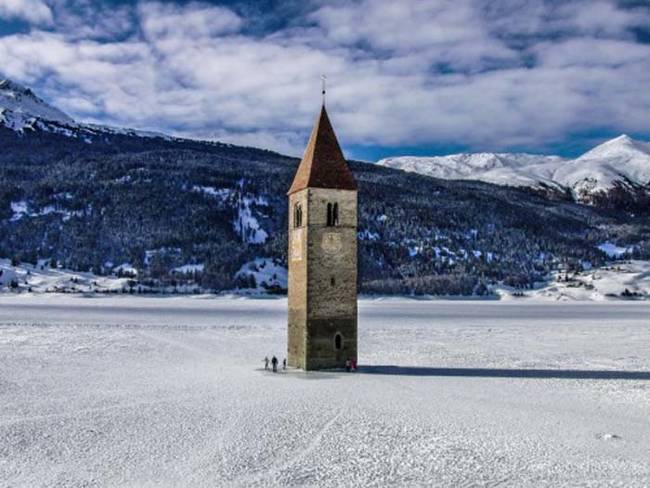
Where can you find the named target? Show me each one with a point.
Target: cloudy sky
(405, 77)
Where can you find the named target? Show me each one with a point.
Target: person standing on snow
(348, 365)
(284, 364)
(354, 364)
(266, 363)
(274, 363)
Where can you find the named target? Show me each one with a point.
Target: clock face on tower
(331, 243)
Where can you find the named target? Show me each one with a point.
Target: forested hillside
(100, 201)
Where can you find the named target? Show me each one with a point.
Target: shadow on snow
(571, 374)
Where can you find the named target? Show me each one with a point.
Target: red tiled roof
(323, 164)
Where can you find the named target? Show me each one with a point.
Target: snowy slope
(20, 107)
(624, 280)
(491, 167)
(616, 161)
(41, 278)
(267, 273)
(619, 162)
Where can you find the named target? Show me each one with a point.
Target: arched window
(297, 215)
(333, 281)
(338, 341)
(332, 214)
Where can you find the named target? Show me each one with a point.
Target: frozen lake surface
(129, 391)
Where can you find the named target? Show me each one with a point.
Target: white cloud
(535, 18)
(591, 52)
(604, 17)
(194, 20)
(284, 143)
(446, 32)
(32, 11)
(193, 70)
(90, 19)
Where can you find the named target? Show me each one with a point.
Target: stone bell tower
(322, 255)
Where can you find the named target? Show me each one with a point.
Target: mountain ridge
(615, 164)
(621, 164)
(21, 109)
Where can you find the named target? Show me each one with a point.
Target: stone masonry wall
(323, 280)
(297, 286)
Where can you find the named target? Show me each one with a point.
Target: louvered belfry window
(332, 214)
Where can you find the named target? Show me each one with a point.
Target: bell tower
(322, 329)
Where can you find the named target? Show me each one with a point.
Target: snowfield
(620, 280)
(131, 391)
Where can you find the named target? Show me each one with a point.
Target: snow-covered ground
(131, 391)
(267, 273)
(41, 278)
(620, 280)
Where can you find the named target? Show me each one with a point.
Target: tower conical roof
(323, 164)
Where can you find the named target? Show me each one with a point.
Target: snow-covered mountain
(468, 165)
(21, 110)
(619, 163)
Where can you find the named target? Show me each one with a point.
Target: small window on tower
(297, 215)
(332, 214)
(338, 341)
(333, 281)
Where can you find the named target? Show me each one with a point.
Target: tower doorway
(338, 341)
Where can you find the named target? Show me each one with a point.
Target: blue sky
(409, 77)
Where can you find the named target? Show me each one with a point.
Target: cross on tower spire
(324, 85)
